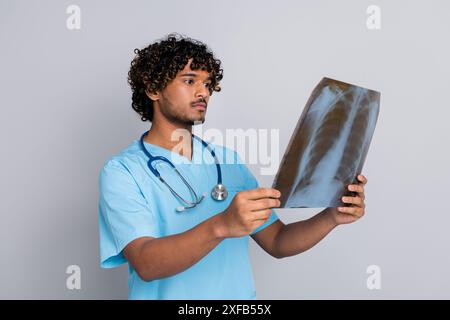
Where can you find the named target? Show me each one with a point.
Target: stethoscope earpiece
(180, 209)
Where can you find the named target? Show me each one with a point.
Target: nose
(202, 91)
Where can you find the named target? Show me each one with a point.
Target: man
(201, 250)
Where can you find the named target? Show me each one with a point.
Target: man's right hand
(249, 210)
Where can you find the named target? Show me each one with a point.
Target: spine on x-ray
(351, 156)
(325, 137)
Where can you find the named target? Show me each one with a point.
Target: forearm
(298, 237)
(166, 256)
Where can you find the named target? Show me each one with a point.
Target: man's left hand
(344, 215)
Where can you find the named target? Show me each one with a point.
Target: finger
(363, 179)
(356, 188)
(354, 211)
(354, 200)
(261, 214)
(359, 188)
(265, 203)
(260, 193)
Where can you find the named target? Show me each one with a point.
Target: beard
(175, 115)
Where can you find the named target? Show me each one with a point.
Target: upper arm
(124, 214)
(266, 238)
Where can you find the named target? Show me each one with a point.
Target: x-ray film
(329, 145)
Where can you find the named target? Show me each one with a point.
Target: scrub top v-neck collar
(174, 157)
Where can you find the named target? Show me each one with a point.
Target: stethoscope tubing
(155, 171)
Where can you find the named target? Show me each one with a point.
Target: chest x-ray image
(329, 145)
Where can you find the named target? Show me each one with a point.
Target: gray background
(65, 109)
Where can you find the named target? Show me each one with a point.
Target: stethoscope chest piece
(219, 192)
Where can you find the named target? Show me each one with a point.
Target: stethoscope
(218, 193)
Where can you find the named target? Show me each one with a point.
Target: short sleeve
(124, 214)
(252, 183)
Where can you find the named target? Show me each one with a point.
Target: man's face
(184, 100)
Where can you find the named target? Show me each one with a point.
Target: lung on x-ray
(328, 147)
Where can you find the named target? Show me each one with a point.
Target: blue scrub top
(133, 203)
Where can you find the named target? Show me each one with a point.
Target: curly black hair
(156, 65)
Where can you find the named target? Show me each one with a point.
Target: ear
(152, 96)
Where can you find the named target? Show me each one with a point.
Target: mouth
(200, 106)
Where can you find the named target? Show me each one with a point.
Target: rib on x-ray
(329, 145)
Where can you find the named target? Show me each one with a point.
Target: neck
(175, 137)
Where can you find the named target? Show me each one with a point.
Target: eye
(189, 81)
(208, 84)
